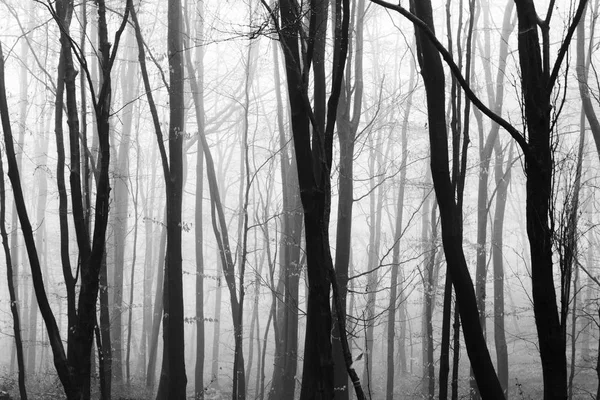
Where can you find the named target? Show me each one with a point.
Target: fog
(313, 200)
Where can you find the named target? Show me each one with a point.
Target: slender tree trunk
(398, 233)
(60, 358)
(9, 275)
(149, 224)
(582, 68)
(120, 207)
(456, 351)
(197, 84)
(217, 327)
(349, 112)
(158, 310)
(286, 353)
(133, 261)
(376, 209)
(502, 177)
(42, 189)
(445, 345)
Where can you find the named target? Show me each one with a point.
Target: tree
(433, 78)
(313, 159)
(73, 368)
(538, 79)
(173, 378)
(197, 84)
(349, 113)
(9, 266)
(286, 337)
(397, 292)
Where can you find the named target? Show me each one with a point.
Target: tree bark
(349, 112)
(197, 84)
(582, 69)
(9, 275)
(173, 332)
(60, 358)
(502, 177)
(120, 207)
(433, 77)
(396, 288)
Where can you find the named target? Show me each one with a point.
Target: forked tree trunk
(314, 166)
(73, 369)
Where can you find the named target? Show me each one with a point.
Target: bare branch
(516, 135)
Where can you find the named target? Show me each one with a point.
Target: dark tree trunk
(502, 180)
(173, 372)
(445, 343)
(9, 275)
(433, 77)
(314, 165)
(538, 168)
(456, 352)
(286, 341)
(349, 112)
(60, 358)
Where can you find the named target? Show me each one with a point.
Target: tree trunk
(398, 233)
(158, 309)
(9, 275)
(214, 373)
(537, 86)
(60, 358)
(149, 265)
(133, 261)
(173, 332)
(582, 69)
(286, 346)
(314, 166)
(42, 195)
(502, 177)
(197, 84)
(433, 77)
(349, 112)
(120, 207)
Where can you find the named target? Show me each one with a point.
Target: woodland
(299, 199)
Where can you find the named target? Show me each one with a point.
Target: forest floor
(525, 384)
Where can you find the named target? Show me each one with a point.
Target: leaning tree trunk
(433, 77)
(11, 286)
(60, 358)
